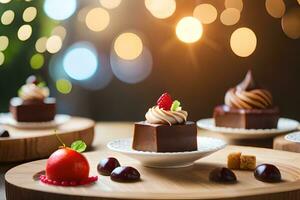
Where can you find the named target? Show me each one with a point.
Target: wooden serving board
(26, 144)
(181, 183)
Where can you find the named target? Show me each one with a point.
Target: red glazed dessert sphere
(66, 164)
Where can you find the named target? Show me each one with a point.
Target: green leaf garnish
(41, 84)
(19, 92)
(78, 146)
(175, 106)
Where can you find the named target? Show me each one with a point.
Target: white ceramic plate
(7, 119)
(284, 125)
(206, 146)
(293, 137)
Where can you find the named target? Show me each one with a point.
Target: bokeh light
(24, 32)
(189, 29)
(54, 44)
(63, 86)
(132, 71)
(97, 19)
(161, 8)
(275, 8)
(2, 58)
(290, 23)
(5, 1)
(206, 13)
(80, 61)
(59, 31)
(60, 9)
(238, 4)
(29, 14)
(7, 17)
(110, 4)
(230, 16)
(3, 42)
(40, 45)
(243, 42)
(37, 61)
(128, 46)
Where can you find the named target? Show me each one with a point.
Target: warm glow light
(2, 58)
(60, 9)
(230, 16)
(3, 43)
(161, 8)
(243, 42)
(59, 31)
(37, 61)
(206, 13)
(238, 4)
(97, 19)
(7, 17)
(132, 71)
(54, 44)
(5, 1)
(64, 86)
(40, 44)
(81, 61)
(110, 4)
(29, 14)
(290, 23)
(275, 8)
(189, 29)
(24, 32)
(128, 46)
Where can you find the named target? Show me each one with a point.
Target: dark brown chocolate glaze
(33, 110)
(226, 116)
(165, 138)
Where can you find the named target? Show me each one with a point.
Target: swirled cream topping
(247, 95)
(33, 92)
(156, 115)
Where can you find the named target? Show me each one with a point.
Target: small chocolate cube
(248, 162)
(233, 160)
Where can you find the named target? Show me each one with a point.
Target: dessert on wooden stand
(166, 128)
(33, 103)
(247, 106)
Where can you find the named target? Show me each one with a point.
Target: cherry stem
(59, 139)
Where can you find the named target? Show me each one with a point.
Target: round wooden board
(181, 183)
(280, 143)
(26, 144)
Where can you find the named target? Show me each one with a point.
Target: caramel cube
(233, 160)
(248, 162)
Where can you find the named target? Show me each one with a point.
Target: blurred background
(112, 59)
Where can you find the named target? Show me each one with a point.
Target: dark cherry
(107, 165)
(223, 175)
(267, 173)
(4, 133)
(125, 174)
(33, 79)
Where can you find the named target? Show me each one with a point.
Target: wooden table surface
(106, 131)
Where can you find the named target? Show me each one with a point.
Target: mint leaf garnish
(41, 84)
(19, 92)
(175, 106)
(78, 146)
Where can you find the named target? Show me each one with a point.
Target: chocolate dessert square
(33, 110)
(226, 116)
(165, 138)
